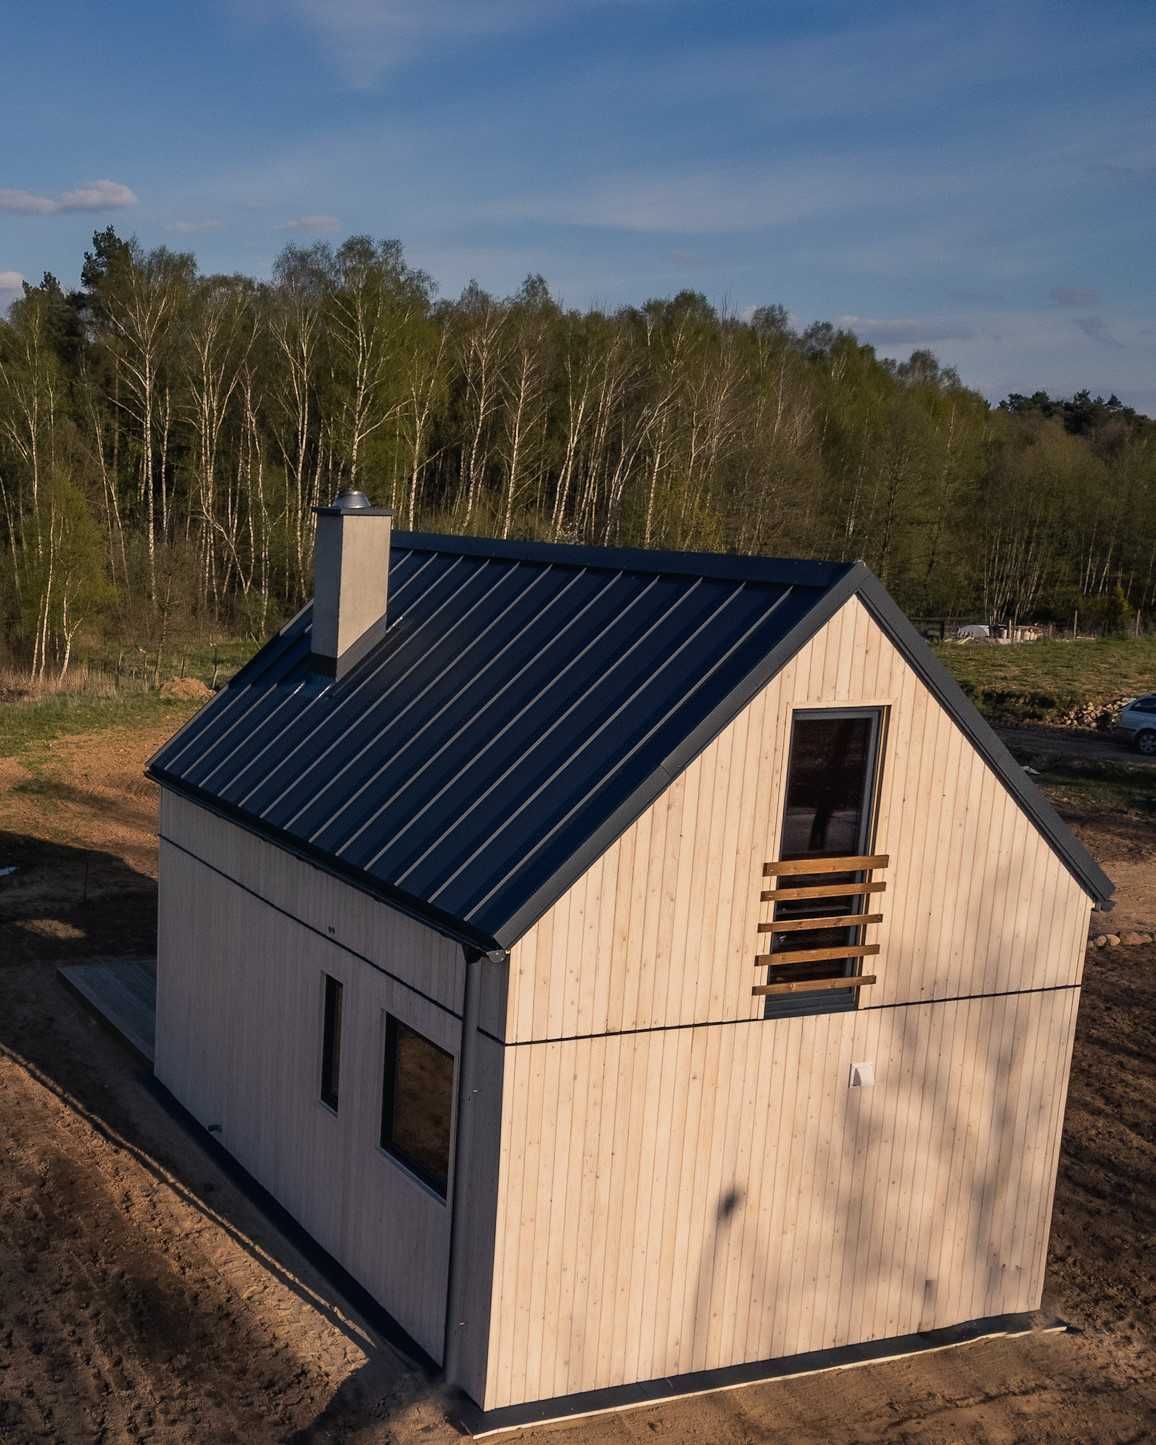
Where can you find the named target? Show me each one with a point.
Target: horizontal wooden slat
(800, 925)
(816, 955)
(820, 890)
(826, 865)
(808, 985)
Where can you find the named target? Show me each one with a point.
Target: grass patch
(1099, 797)
(29, 725)
(1049, 681)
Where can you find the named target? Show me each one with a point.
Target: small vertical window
(331, 1042)
(417, 1103)
(828, 813)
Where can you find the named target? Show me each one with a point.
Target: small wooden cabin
(629, 966)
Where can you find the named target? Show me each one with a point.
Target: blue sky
(976, 178)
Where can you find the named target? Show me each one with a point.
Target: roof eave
(418, 909)
(773, 662)
(857, 581)
(983, 737)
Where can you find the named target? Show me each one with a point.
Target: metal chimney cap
(349, 500)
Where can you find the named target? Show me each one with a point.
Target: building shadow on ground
(110, 1099)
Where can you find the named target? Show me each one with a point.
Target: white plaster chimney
(350, 579)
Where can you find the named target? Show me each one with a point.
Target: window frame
(440, 1189)
(330, 1063)
(823, 1001)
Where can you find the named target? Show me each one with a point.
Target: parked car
(1137, 724)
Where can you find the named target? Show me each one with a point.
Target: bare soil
(145, 1297)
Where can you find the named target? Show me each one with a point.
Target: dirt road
(144, 1296)
(1083, 743)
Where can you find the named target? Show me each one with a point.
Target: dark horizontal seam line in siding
(776, 1018)
(276, 907)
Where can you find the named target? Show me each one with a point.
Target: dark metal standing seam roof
(523, 703)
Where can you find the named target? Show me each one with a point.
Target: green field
(1029, 682)
(25, 727)
(1043, 681)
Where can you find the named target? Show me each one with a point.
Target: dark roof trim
(857, 580)
(471, 939)
(841, 581)
(783, 572)
(982, 737)
(710, 727)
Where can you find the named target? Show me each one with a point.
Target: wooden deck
(124, 993)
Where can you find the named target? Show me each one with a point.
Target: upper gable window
(828, 813)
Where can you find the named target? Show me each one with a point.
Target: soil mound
(185, 689)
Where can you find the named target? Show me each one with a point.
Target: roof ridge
(725, 566)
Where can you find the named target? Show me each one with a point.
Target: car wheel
(1146, 742)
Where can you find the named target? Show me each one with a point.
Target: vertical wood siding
(408, 949)
(684, 1199)
(662, 928)
(239, 1011)
(708, 1190)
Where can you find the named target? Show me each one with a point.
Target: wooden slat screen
(803, 893)
(820, 890)
(843, 920)
(814, 984)
(815, 955)
(826, 865)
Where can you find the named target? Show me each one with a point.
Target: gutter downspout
(465, 1171)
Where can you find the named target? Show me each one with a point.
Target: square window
(417, 1103)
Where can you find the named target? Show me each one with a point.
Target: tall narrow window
(331, 1042)
(827, 814)
(417, 1103)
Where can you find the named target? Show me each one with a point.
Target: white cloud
(11, 284)
(92, 196)
(189, 228)
(312, 223)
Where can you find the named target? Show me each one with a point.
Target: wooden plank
(827, 865)
(816, 955)
(813, 984)
(801, 925)
(107, 989)
(820, 890)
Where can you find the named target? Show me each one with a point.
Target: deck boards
(124, 992)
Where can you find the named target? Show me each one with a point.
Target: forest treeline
(164, 436)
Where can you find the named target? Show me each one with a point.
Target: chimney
(350, 580)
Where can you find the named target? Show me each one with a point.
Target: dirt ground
(1073, 743)
(145, 1297)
